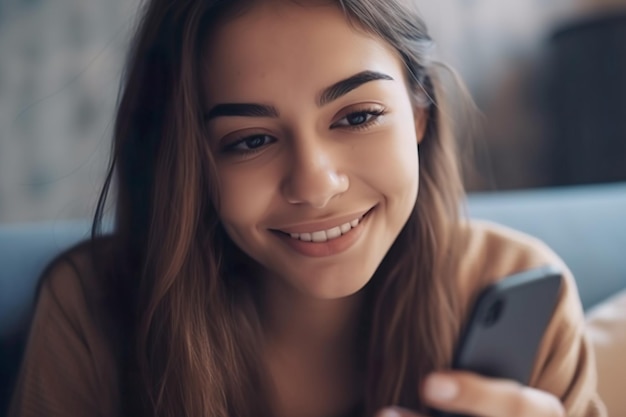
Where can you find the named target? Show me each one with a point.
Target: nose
(313, 178)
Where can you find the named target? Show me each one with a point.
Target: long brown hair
(179, 294)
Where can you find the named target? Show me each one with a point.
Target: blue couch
(585, 225)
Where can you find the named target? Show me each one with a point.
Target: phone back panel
(507, 324)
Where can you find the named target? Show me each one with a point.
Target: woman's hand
(470, 394)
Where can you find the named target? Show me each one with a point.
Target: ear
(420, 117)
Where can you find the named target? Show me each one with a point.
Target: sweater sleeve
(62, 370)
(565, 364)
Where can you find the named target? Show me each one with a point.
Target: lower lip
(330, 247)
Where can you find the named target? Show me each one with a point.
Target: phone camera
(493, 313)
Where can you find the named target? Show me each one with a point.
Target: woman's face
(315, 140)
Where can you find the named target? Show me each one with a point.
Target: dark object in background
(585, 101)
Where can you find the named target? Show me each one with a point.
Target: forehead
(283, 46)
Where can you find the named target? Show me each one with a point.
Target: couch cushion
(585, 225)
(25, 251)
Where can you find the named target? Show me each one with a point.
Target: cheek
(392, 166)
(245, 196)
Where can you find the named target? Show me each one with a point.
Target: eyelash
(374, 113)
(231, 148)
(372, 117)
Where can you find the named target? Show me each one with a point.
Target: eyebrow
(241, 109)
(329, 94)
(343, 87)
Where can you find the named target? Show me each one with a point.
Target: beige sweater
(70, 368)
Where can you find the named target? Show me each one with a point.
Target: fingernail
(441, 388)
(389, 412)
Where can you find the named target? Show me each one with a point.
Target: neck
(294, 319)
(311, 350)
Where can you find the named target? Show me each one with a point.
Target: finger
(468, 393)
(397, 412)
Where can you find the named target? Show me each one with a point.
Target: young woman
(279, 249)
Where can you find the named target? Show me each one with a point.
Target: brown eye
(254, 142)
(249, 144)
(361, 118)
(355, 119)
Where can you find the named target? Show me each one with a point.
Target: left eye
(255, 142)
(358, 118)
(248, 145)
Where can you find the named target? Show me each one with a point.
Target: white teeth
(319, 236)
(326, 235)
(333, 233)
(345, 228)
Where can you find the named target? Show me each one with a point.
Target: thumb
(397, 412)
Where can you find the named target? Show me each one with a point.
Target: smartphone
(506, 325)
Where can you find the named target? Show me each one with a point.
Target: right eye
(249, 144)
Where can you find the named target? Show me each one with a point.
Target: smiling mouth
(321, 236)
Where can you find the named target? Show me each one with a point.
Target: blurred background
(549, 77)
(60, 66)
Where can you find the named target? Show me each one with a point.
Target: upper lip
(309, 227)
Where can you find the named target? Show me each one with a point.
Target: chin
(332, 286)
